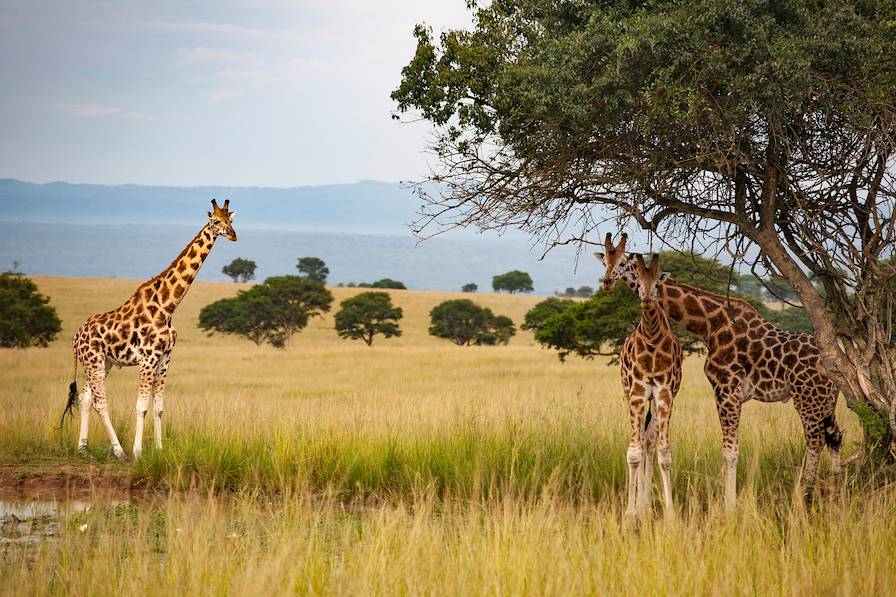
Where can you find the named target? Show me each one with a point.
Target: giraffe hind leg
(96, 381)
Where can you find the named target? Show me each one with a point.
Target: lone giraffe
(748, 358)
(140, 333)
(651, 377)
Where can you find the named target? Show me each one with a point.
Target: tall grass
(417, 466)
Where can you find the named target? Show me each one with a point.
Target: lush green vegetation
(366, 315)
(26, 316)
(464, 322)
(313, 268)
(241, 270)
(271, 312)
(515, 281)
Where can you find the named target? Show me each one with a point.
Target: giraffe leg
(85, 401)
(158, 390)
(147, 376)
(815, 440)
(664, 415)
(635, 453)
(729, 407)
(648, 440)
(96, 380)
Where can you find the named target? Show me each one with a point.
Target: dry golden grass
(417, 466)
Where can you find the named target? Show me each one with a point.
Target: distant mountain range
(359, 229)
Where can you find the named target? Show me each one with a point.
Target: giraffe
(651, 376)
(139, 333)
(748, 358)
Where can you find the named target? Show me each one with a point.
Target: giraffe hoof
(120, 454)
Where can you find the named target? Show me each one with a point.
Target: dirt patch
(65, 481)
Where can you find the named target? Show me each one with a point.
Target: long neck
(171, 285)
(654, 322)
(701, 312)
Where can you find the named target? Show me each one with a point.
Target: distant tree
(781, 290)
(537, 315)
(750, 285)
(241, 270)
(367, 314)
(471, 287)
(464, 322)
(794, 319)
(570, 291)
(313, 268)
(26, 316)
(388, 283)
(270, 312)
(512, 282)
(584, 291)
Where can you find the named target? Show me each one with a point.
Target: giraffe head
(620, 265)
(220, 219)
(649, 277)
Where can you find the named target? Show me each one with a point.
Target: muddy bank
(66, 481)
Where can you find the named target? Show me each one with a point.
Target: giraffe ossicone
(139, 334)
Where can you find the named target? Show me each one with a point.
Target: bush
(515, 281)
(537, 315)
(464, 322)
(26, 316)
(240, 270)
(365, 315)
(389, 283)
(270, 312)
(471, 287)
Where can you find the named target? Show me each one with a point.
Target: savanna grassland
(417, 466)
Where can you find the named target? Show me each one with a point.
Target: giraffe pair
(748, 358)
(139, 333)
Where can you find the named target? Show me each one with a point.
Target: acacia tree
(365, 315)
(313, 268)
(240, 270)
(464, 322)
(513, 281)
(761, 128)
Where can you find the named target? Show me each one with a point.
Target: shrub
(464, 322)
(26, 316)
(365, 315)
(270, 312)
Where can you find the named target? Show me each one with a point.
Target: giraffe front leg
(648, 440)
(729, 407)
(158, 397)
(147, 375)
(635, 453)
(664, 457)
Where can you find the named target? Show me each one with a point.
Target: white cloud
(100, 111)
(204, 55)
(223, 95)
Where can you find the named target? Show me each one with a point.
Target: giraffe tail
(72, 393)
(832, 434)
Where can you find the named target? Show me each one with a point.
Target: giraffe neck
(701, 312)
(654, 323)
(168, 289)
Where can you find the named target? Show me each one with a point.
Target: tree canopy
(241, 270)
(512, 282)
(470, 287)
(759, 127)
(313, 268)
(365, 315)
(270, 312)
(464, 322)
(388, 283)
(26, 316)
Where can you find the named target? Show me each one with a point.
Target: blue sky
(233, 92)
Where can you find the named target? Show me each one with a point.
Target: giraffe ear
(600, 256)
(209, 214)
(663, 277)
(233, 213)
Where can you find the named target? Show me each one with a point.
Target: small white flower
(83, 528)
